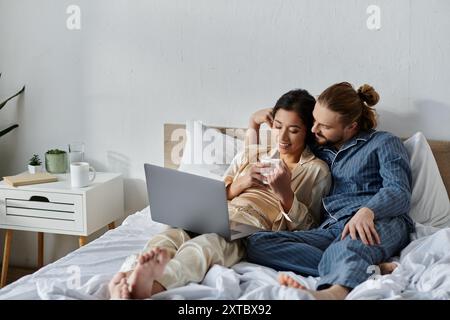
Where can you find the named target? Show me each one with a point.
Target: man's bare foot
(149, 267)
(335, 292)
(288, 281)
(118, 287)
(387, 267)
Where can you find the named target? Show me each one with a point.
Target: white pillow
(429, 202)
(208, 152)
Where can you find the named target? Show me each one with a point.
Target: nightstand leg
(8, 237)
(82, 241)
(40, 249)
(111, 226)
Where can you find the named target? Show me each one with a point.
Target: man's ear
(353, 126)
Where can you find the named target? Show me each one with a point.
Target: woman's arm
(231, 173)
(234, 189)
(305, 215)
(251, 178)
(280, 183)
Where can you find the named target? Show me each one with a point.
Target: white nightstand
(56, 207)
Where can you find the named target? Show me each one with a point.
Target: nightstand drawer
(33, 209)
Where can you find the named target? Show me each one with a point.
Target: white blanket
(423, 273)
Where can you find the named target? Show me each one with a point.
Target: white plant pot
(34, 169)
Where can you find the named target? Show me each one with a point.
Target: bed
(423, 272)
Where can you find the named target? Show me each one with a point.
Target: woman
(287, 199)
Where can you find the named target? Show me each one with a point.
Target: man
(366, 212)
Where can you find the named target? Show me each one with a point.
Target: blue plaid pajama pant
(321, 252)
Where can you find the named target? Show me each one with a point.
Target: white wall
(135, 65)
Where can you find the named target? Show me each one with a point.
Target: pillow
(208, 152)
(429, 202)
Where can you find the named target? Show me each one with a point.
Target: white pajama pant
(191, 258)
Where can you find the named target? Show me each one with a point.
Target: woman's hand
(280, 183)
(251, 178)
(260, 117)
(362, 225)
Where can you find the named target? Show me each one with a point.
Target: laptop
(192, 203)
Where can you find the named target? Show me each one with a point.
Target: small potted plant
(56, 161)
(34, 165)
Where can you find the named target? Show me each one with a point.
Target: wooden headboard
(175, 137)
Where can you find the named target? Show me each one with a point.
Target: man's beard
(327, 142)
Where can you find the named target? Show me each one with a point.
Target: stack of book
(24, 179)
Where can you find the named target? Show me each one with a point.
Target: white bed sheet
(423, 273)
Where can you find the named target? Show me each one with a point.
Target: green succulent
(35, 161)
(55, 151)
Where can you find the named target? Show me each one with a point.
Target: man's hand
(362, 225)
(280, 183)
(256, 119)
(260, 117)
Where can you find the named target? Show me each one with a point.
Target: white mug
(274, 163)
(79, 174)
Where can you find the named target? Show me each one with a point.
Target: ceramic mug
(269, 170)
(79, 174)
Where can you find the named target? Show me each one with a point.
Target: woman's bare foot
(335, 292)
(118, 287)
(150, 266)
(387, 267)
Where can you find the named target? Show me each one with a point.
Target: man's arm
(394, 197)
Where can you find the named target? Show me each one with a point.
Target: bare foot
(335, 292)
(150, 266)
(387, 267)
(118, 287)
(288, 281)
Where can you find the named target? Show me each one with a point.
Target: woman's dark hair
(302, 103)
